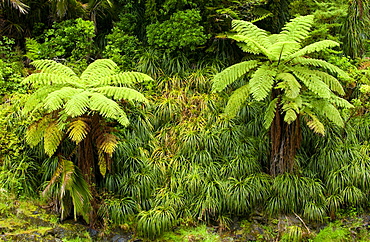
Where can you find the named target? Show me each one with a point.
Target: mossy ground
(26, 220)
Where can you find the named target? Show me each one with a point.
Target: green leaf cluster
(181, 31)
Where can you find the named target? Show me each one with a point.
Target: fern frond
(270, 113)
(107, 143)
(291, 110)
(224, 78)
(328, 110)
(314, 47)
(108, 108)
(311, 81)
(77, 104)
(123, 78)
(50, 66)
(262, 82)
(315, 124)
(102, 163)
(77, 130)
(42, 79)
(331, 81)
(297, 29)
(322, 64)
(340, 102)
(35, 101)
(289, 84)
(98, 69)
(249, 45)
(52, 138)
(36, 131)
(236, 101)
(280, 50)
(56, 99)
(118, 93)
(251, 31)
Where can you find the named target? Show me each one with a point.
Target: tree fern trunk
(285, 140)
(88, 167)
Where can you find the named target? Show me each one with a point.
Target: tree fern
(292, 82)
(78, 107)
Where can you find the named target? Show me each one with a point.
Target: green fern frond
(35, 101)
(328, 110)
(77, 104)
(340, 102)
(249, 45)
(236, 101)
(315, 124)
(331, 81)
(311, 81)
(36, 131)
(224, 78)
(118, 93)
(270, 113)
(52, 138)
(314, 47)
(56, 99)
(291, 110)
(323, 64)
(262, 82)
(77, 130)
(108, 108)
(297, 29)
(50, 66)
(280, 50)
(251, 31)
(289, 84)
(42, 79)
(123, 78)
(99, 69)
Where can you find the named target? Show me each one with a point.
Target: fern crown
(63, 98)
(285, 75)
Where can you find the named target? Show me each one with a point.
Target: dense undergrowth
(181, 169)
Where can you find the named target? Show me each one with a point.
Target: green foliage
(11, 67)
(154, 222)
(181, 31)
(122, 49)
(70, 40)
(333, 233)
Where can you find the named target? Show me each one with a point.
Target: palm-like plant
(81, 109)
(294, 84)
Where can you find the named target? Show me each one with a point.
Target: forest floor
(24, 220)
